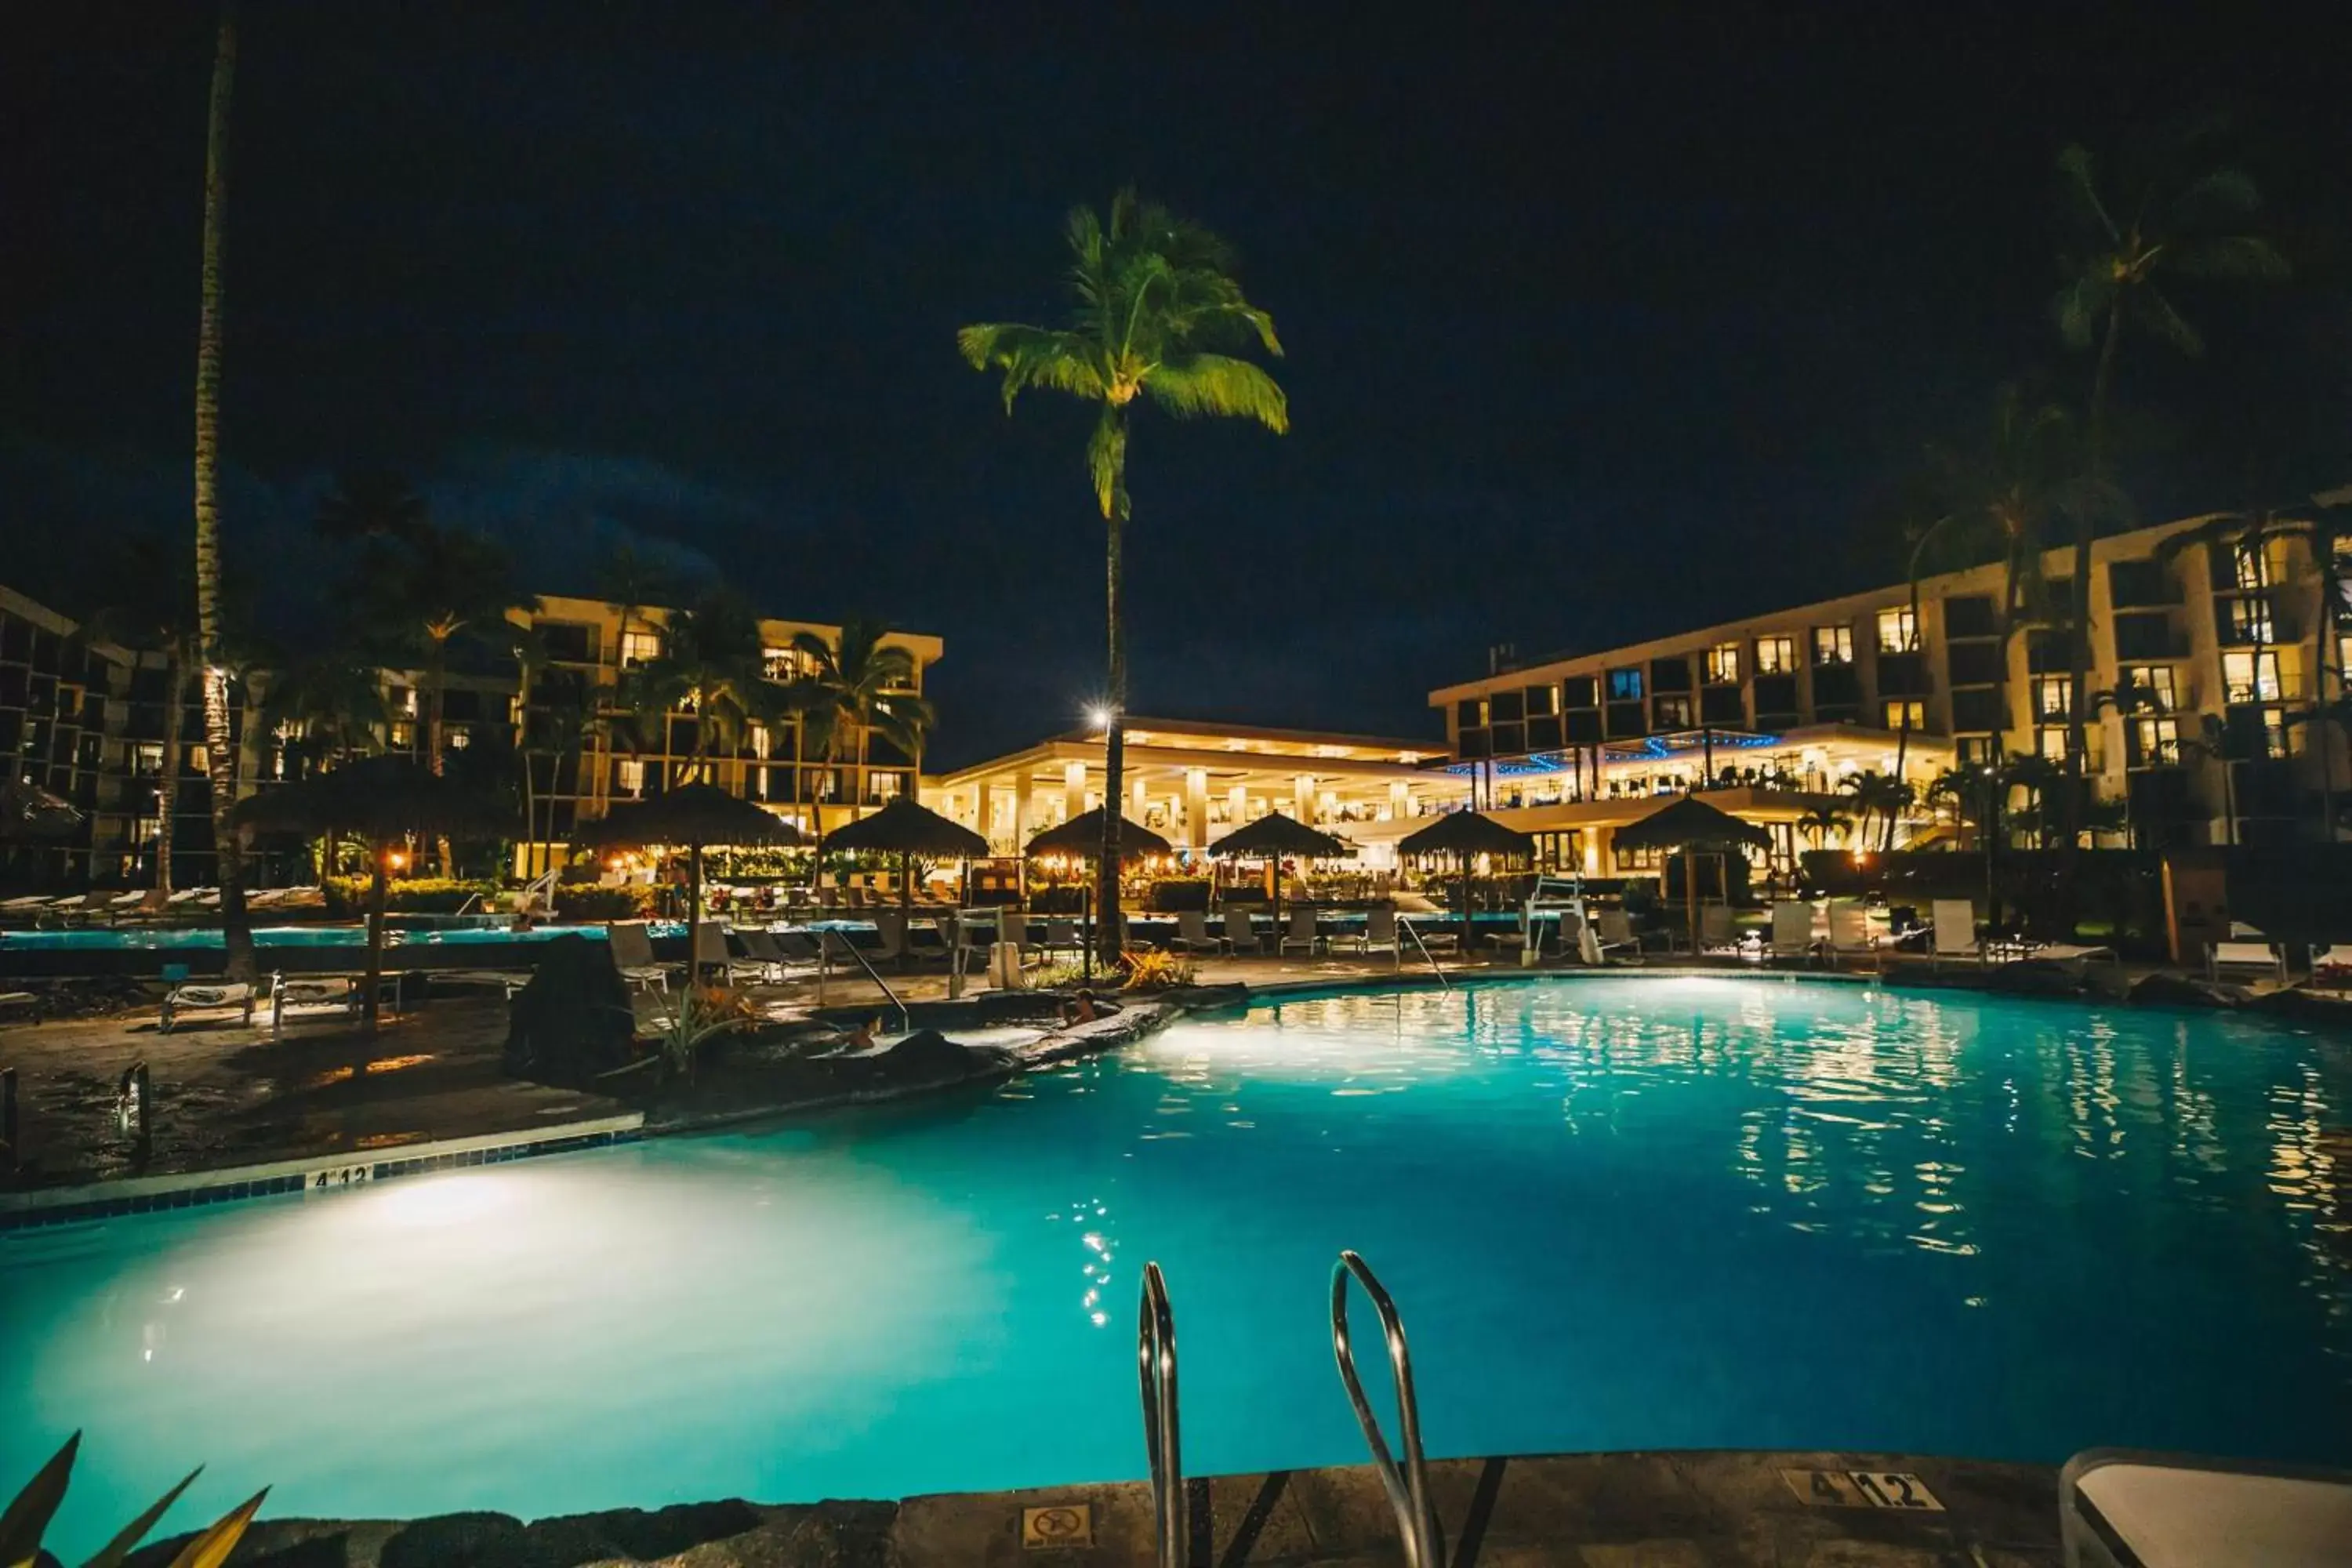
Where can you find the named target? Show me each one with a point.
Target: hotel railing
(1408, 928)
(1407, 1485)
(906, 1019)
(1155, 1362)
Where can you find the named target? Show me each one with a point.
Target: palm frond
(1106, 463)
(1196, 385)
(2078, 188)
(2154, 312)
(1029, 356)
(2236, 256)
(2080, 307)
(2224, 198)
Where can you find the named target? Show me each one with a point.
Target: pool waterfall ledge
(1727, 1507)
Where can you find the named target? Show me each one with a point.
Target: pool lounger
(346, 993)
(2176, 1510)
(209, 998)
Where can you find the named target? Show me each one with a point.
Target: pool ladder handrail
(1407, 1487)
(906, 1019)
(1407, 927)
(1155, 1363)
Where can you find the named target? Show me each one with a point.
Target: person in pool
(1085, 1009)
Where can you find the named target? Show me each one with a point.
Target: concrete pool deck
(1666, 1509)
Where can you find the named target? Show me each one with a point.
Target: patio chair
(759, 948)
(1061, 936)
(1613, 929)
(1954, 923)
(2247, 949)
(207, 997)
(27, 908)
(711, 951)
(1379, 934)
(2331, 967)
(1792, 930)
(344, 993)
(82, 909)
(1241, 932)
(796, 946)
(1302, 933)
(633, 955)
(1716, 932)
(2173, 1511)
(1850, 928)
(1193, 934)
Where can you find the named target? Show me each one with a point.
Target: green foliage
(698, 1017)
(1150, 969)
(1058, 976)
(30, 1512)
(588, 905)
(712, 666)
(347, 896)
(860, 681)
(1171, 894)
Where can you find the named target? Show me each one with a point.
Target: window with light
(1907, 715)
(1832, 645)
(2249, 677)
(2154, 683)
(1723, 664)
(1776, 656)
(2053, 696)
(1898, 630)
(639, 648)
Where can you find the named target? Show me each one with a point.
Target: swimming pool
(176, 938)
(1616, 1212)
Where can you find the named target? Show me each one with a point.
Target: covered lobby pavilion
(1192, 783)
(1574, 800)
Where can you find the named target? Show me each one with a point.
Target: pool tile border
(196, 1189)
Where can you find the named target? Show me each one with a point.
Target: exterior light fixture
(1099, 716)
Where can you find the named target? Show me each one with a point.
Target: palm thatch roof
(1466, 833)
(907, 828)
(1081, 838)
(1690, 823)
(694, 814)
(378, 798)
(1274, 833)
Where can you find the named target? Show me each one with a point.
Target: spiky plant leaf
(211, 1549)
(31, 1509)
(131, 1535)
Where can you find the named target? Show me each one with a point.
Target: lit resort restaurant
(1192, 783)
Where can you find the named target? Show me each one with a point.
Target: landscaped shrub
(1171, 894)
(1150, 969)
(348, 896)
(587, 906)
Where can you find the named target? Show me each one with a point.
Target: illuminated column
(1237, 807)
(1136, 791)
(1073, 789)
(1302, 797)
(1021, 807)
(1400, 799)
(1196, 808)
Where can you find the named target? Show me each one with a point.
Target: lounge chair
(28, 906)
(2266, 958)
(710, 951)
(1954, 923)
(633, 955)
(92, 907)
(1193, 934)
(1792, 930)
(209, 996)
(2172, 1510)
(797, 946)
(2331, 967)
(1302, 933)
(1850, 928)
(761, 950)
(1613, 929)
(1061, 936)
(1241, 932)
(1717, 933)
(345, 993)
(890, 926)
(1380, 933)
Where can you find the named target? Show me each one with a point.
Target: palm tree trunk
(1903, 737)
(1114, 744)
(167, 789)
(220, 759)
(377, 892)
(2079, 698)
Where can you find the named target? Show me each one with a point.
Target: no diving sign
(1049, 1529)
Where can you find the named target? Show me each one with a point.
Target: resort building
(61, 714)
(2210, 645)
(585, 751)
(1192, 783)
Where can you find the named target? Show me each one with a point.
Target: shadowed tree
(2132, 232)
(327, 708)
(1158, 315)
(856, 688)
(631, 583)
(220, 751)
(710, 666)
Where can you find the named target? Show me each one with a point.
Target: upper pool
(1617, 1212)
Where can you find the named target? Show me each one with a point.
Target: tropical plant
(325, 708)
(220, 753)
(30, 1512)
(1817, 822)
(632, 582)
(1874, 794)
(2169, 216)
(710, 666)
(699, 1014)
(562, 723)
(1158, 315)
(859, 687)
(1155, 969)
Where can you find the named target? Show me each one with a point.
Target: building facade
(1192, 783)
(2210, 645)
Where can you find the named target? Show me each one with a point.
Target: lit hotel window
(1913, 714)
(1898, 631)
(2158, 741)
(1624, 685)
(1776, 656)
(1723, 664)
(2153, 685)
(2250, 677)
(2053, 696)
(1832, 645)
(629, 777)
(639, 648)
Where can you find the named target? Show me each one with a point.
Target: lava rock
(573, 1020)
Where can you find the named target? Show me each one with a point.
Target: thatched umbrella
(1464, 835)
(383, 800)
(1688, 825)
(906, 828)
(700, 816)
(31, 814)
(1080, 838)
(1272, 837)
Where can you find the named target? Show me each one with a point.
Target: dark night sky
(1598, 327)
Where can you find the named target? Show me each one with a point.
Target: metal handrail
(1407, 927)
(1408, 1488)
(906, 1019)
(1155, 1363)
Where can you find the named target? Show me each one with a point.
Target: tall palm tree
(1817, 822)
(1158, 315)
(2166, 220)
(2212, 745)
(859, 687)
(632, 582)
(711, 666)
(562, 723)
(327, 708)
(220, 755)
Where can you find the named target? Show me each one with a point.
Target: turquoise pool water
(173, 939)
(1617, 1212)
